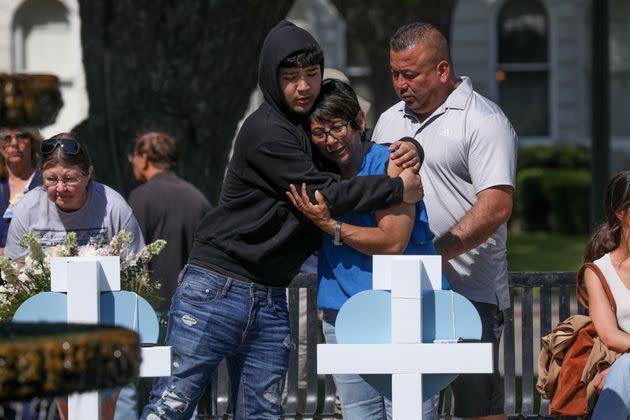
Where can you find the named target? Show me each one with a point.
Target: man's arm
(492, 166)
(390, 235)
(406, 153)
(492, 209)
(282, 162)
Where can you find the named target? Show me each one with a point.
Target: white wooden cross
(406, 358)
(84, 278)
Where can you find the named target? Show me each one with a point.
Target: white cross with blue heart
(84, 278)
(405, 328)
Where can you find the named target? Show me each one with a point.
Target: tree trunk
(185, 67)
(373, 22)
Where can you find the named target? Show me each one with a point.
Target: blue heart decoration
(121, 309)
(366, 319)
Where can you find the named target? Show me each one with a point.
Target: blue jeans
(359, 400)
(127, 403)
(213, 317)
(614, 400)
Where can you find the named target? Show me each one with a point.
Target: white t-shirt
(619, 291)
(469, 146)
(103, 215)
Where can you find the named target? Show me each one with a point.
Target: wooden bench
(539, 301)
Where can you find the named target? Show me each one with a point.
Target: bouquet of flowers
(29, 276)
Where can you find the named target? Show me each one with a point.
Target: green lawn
(541, 251)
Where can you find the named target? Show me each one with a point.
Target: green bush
(555, 200)
(532, 205)
(569, 194)
(558, 156)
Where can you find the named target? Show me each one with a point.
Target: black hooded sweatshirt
(255, 234)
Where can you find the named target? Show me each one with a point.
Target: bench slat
(292, 398)
(527, 355)
(564, 299)
(509, 359)
(312, 338)
(545, 328)
(223, 389)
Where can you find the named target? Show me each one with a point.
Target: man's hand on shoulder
(405, 155)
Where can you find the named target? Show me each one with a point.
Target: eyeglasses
(69, 146)
(336, 131)
(52, 181)
(20, 137)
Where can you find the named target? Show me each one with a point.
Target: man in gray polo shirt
(468, 177)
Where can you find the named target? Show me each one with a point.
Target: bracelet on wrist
(337, 240)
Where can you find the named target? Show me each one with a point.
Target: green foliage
(136, 276)
(553, 188)
(553, 199)
(559, 156)
(569, 193)
(531, 204)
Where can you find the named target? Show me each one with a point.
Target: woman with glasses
(69, 201)
(348, 243)
(19, 153)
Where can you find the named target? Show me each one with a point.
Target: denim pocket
(198, 290)
(280, 307)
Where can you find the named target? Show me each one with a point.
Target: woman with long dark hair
(609, 249)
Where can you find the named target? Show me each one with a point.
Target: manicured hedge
(532, 205)
(559, 156)
(555, 200)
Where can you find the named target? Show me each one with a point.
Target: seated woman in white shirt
(609, 249)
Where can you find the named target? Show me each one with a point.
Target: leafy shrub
(555, 200)
(532, 204)
(569, 194)
(558, 156)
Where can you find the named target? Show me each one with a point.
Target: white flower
(54, 251)
(88, 251)
(32, 275)
(28, 262)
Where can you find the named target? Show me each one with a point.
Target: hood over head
(283, 40)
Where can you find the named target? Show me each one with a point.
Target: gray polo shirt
(469, 146)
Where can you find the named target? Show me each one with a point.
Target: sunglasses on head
(69, 146)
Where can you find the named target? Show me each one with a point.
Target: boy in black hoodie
(231, 299)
